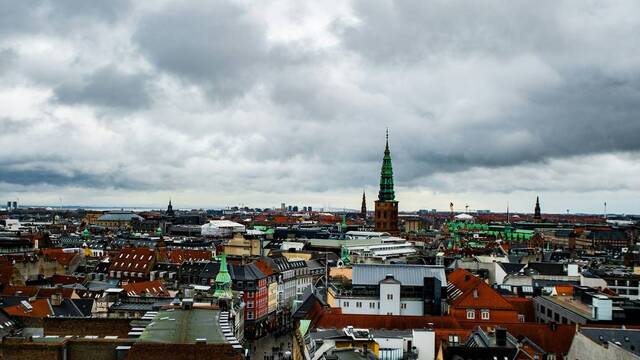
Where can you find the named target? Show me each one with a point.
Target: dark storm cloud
(107, 87)
(591, 107)
(213, 44)
(42, 176)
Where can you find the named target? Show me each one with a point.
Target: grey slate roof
(120, 216)
(409, 275)
(625, 338)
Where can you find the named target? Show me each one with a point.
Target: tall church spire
(386, 192)
(386, 210)
(536, 211)
(363, 208)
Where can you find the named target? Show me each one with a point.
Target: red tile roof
(153, 288)
(556, 341)
(59, 255)
(524, 307)
(39, 308)
(139, 260)
(264, 267)
(466, 283)
(333, 320)
(37, 292)
(178, 256)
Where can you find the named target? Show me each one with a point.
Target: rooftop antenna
(605, 210)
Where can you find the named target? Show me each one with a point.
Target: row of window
(372, 304)
(552, 315)
(484, 314)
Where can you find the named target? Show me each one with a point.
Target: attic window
(475, 293)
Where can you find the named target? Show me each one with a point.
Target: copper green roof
(386, 192)
(223, 280)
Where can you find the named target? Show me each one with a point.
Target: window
(372, 305)
(358, 304)
(403, 305)
(249, 304)
(453, 339)
(484, 314)
(389, 296)
(520, 317)
(475, 293)
(345, 304)
(471, 314)
(249, 315)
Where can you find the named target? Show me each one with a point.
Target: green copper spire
(344, 222)
(386, 176)
(86, 234)
(223, 280)
(159, 231)
(344, 254)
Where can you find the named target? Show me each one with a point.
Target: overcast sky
(217, 103)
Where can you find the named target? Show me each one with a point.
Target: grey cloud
(40, 176)
(57, 15)
(213, 44)
(473, 85)
(107, 87)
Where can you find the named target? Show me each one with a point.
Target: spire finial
(387, 136)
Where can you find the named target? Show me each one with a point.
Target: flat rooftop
(569, 303)
(184, 327)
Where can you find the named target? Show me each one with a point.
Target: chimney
(501, 337)
(56, 299)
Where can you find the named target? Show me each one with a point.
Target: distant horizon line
(300, 209)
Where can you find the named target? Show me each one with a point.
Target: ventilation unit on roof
(26, 306)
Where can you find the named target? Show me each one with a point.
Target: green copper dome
(159, 231)
(86, 233)
(386, 192)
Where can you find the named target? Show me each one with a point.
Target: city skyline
(126, 104)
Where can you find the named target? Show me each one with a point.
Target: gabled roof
(462, 285)
(511, 268)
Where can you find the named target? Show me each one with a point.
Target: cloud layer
(234, 102)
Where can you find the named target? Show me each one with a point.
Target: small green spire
(86, 234)
(159, 231)
(344, 222)
(223, 280)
